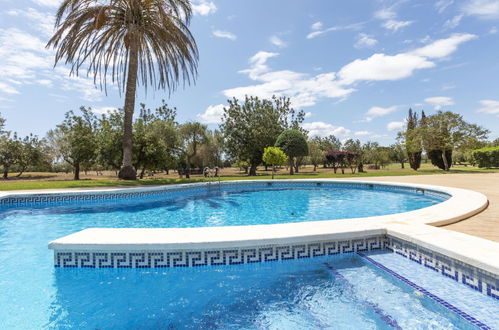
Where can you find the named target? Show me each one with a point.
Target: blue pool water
(337, 292)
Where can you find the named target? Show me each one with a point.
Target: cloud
(395, 125)
(441, 5)
(443, 47)
(44, 21)
(493, 30)
(385, 14)
(320, 128)
(365, 41)
(200, 7)
(276, 41)
(305, 90)
(490, 107)
(7, 88)
(374, 112)
(224, 34)
(439, 101)
(484, 9)
(362, 133)
(212, 114)
(316, 26)
(453, 22)
(317, 31)
(395, 25)
(48, 3)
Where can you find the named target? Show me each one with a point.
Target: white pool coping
(416, 226)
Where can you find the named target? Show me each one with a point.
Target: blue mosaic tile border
(215, 257)
(35, 199)
(475, 278)
(441, 301)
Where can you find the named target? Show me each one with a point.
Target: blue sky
(355, 67)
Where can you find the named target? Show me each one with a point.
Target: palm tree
(146, 41)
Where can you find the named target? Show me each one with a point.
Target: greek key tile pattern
(86, 197)
(475, 278)
(215, 257)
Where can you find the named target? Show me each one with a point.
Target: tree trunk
(291, 166)
(5, 172)
(142, 172)
(127, 171)
(252, 170)
(444, 159)
(273, 171)
(77, 171)
(360, 167)
(402, 164)
(315, 167)
(21, 171)
(188, 169)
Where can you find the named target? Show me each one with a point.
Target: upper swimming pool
(230, 205)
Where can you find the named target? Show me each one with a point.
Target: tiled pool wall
(99, 196)
(475, 278)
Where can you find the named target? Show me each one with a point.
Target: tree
(250, 127)
(275, 157)
(74, 140)
(316, 155)
(193, 135)
(398, 153)
(294, 144)
(10, 149)
(132, 40)
(413, 140)
(31, 152)
(356, 147)
(443, 132)
(109, 136)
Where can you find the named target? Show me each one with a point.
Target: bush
(486, 157)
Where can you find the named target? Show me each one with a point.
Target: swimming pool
(353, 285)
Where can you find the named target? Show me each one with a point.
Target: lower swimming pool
(365, 290)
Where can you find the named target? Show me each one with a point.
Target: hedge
(486, 157)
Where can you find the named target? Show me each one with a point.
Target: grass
(392, 170)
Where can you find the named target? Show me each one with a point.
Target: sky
(355, 67)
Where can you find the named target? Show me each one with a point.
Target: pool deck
(484, 224)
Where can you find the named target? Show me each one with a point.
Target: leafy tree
(444, 132)
(131, 40)
(252, 126)
(294, 144)
(109, 136)
(74, 140)
(398, 153)
(10, 149)
(193, 135)
(274, 156)
(316, 155)
(413, 140)
(31, 152)
(356, 147)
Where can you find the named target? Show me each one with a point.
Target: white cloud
(365, 41)
(439, 101)
(200, 7)
(374, 112)
(212, 114)
(395, 125)
(316, 26)
(44, 21)
(453, 22)
(493, 30)
(304, 89)
(385, 14)
(103, 110)
(383, 67)
(308, 114)
(484, 9)
(490, 107)
(395, 25)
(320, 128)
(276, 41)
(224, 34)
(7, 88)
(441, 5)
(362, 133)
(316, 32)
(47, 3)
(443, 47)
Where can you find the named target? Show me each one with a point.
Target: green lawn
(392, 170)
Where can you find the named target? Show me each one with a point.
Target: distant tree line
(253, 132)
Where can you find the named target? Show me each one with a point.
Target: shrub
(486, 157)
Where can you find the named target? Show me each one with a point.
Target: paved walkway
(484, 224)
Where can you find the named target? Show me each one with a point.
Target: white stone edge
(416, 227)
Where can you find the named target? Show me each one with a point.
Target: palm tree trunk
(127, 171)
